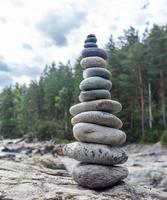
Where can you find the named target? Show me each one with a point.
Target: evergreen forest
(138, 64)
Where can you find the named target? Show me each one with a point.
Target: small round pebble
(91, 39)
(90, 45)
(91, 35)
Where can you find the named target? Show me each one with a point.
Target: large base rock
(98, 176)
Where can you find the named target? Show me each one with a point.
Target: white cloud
(23, 44)
(5, 80)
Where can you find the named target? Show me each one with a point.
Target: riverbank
(36, 171)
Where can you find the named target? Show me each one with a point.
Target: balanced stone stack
(95, 127)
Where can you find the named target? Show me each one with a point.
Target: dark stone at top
(89, 52)
(90, 44)
(91, 39)
(91, 35)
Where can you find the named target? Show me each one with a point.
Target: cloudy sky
(36, 32)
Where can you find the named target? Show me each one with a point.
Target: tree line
(139, 69)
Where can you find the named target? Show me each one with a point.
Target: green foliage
(152, 136)
(77, 79)
(42, 108)
(47, 130)
(8, 114)
(61, 141)
(135, 63)
(164, 138)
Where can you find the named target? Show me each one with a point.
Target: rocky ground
(148, 165)
(35, 171)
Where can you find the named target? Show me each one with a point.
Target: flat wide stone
(105, 105)
(97, 117)
(96, 71)
(95, 82)
(93, 61)
(86, 132)
(98, 176)
(94, 95)
(95, 153)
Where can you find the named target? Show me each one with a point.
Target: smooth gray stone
(93, 61)
(95, 82)
(86, 132)
(95, 153)
(105, 105)
(96, 71)
(99, 118)
(94, 94)
(98, 176)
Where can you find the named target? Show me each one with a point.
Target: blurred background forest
(139, 69)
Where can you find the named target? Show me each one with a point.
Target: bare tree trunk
(162, 97)
(65, 120)
(141, 99)
(132, 114)
(150, 106)
(131, 121)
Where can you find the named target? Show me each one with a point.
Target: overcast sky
(36, 32)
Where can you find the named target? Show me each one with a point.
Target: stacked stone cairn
(95, 127)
